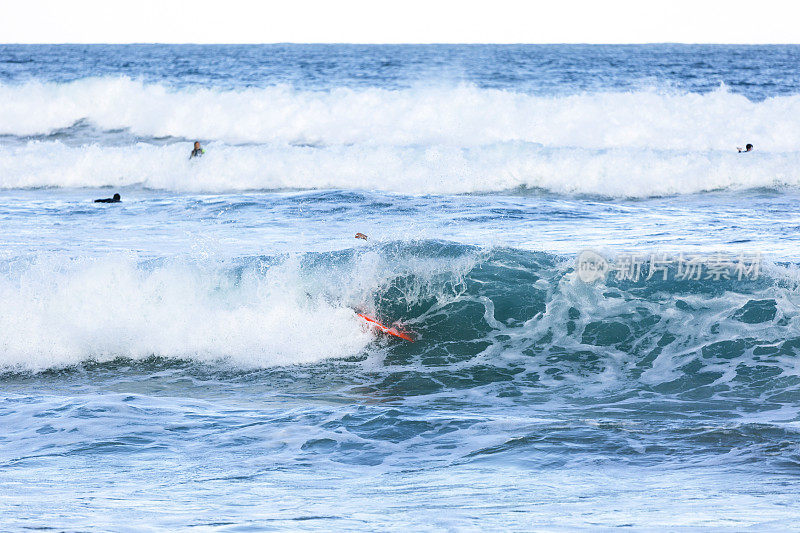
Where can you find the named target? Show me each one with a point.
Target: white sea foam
(59, 312)
(624, 172)
(463, 115)
(422, 140)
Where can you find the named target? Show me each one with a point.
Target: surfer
(360, 235)
(197, 152)
(747, 148)
(113, 200)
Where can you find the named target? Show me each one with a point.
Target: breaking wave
(621, 172)
(481, 316)
(462, 115)
(121, 132)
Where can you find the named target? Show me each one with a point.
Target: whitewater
(459, 139)
(192, 357)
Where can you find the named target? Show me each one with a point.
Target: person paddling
(747, 148)
(113, 200)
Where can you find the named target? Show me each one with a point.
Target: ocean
(602, 291)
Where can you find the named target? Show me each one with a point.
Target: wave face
(118, 132)
(483, 317)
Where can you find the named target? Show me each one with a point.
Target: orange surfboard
(387, 329)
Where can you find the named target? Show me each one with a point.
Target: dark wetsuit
(113, 200)
(197, 152)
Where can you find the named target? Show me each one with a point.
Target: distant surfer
(360, 235)
(747, 148)
(113, 200)
(197, 152)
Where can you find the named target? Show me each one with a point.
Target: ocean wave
(480, 316)
(460, 139)
(462, 115)
(435, 169)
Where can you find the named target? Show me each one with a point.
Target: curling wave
(482, 316)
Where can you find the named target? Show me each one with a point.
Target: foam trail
(419, 170)
(463, 115)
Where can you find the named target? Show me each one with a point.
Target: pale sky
(400, 21)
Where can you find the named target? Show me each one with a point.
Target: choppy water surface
(192, 357)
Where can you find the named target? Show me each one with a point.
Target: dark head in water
(114, 199)
(197, 151)
(747, 148)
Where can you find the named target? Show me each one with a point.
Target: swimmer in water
(360, 235)
(113, 200)
(197, 152)
(747, 148)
